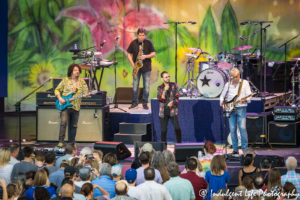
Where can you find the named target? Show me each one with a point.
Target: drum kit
(213, 74)
(293, 99)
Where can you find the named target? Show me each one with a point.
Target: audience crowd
(154, 175)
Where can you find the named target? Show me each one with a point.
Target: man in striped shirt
(291, 175)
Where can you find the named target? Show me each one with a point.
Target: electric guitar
(232, 103)
(68, 100)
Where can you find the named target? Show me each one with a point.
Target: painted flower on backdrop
(111, 18)
(40, 73)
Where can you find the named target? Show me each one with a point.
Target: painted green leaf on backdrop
(229, 28)
(22, 25)
(15, 59)
(208, 34)
(86, 37)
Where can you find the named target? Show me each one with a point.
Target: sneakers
(133, 106)
(145, 107)
(60, 145)
(234, 153)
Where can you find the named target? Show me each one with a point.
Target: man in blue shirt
(58, 176)
(105, 181)
(71, 151)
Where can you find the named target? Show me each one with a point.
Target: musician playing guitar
(71, 84)
(241, 88)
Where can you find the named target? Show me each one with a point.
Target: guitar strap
(240, 88)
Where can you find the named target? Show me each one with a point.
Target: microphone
(246, 22)
(116, 38)
(267, 26)
(254, 50)
(101, 45)
(242, 38)
(191, 22)
(200, 53)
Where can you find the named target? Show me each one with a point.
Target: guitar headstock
(93, 92)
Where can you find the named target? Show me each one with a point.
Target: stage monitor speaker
(277, 161)
(284, 133)
(93, 124)
(124, 95)
(117, 148)
(183, 151)
(254, 125)
(56, 82)
(157, 146)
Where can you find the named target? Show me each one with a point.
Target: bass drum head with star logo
(211, 82)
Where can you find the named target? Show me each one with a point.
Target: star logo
(205, 81)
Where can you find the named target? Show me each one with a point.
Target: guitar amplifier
(285, 110)
(286, 118)
(48, 98)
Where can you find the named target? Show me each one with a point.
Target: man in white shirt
(238, 117)
(133, 191)
(14, 152)
(151, 189)
(85, 176)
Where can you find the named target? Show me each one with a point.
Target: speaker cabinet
(284, 133)
(124, 95)
(254, 125)
(183, 151)
(117, 148)
(157, 146)
(93, 124)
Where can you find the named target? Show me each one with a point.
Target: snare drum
(211, 82)
(226, 60)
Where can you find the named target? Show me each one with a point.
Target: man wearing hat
(133, 191)
(85, 176)
(116, 172)
(147, 147)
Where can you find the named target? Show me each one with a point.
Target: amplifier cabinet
(93, 124)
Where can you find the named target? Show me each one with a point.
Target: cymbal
(198, 50)
(209, 57)
(295, 58)
(248, 54)
(224, 65)
(242, 48)
(191, 55)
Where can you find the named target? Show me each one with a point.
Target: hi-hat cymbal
(242, 48)
(295, 58)
(198, 50)
(191, 55)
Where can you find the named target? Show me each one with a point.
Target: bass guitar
(68, 100)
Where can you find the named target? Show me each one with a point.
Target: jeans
(238, 117)
(146, 85)
(164, 126)
(68, 116)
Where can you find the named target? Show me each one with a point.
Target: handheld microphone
(116, 38)
(101, 45)
(267, 26)
(242, 38)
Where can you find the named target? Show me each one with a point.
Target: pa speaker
(284, 133)
(124, 95)
(157, 146)
(117, 148)
(255, 126)
(93, 124)
(183, 151)
(277, 161)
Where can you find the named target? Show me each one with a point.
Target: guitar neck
(250, 95)
(80, 96)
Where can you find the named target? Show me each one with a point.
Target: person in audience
(39, 160)
(58, 176)
(67, 191)
(4, 191)
(241, 190)
(121, 189)
(248, 182)
(25, 165)
(50, 160)
(179, 188)
(48, 182)
(14, 152)
(14, 190)
(169, 156)
(85, 176)
(22, 179)
(69, 173)
(291, 175)
(104, 181)
(70, 150)
(145, 160)
(74, 161)
(5, 167)
(274, 179)
(94, 164)
(158, 162)
(147, 147)
(131, 176)
(110, 158)
(249, 169)
(86, 151)
(265, 166)
(197, 182)
(66, 181)
(221, 193)
(40, 180)
(77, 168)
(98, 156)
(40, 193)
(289, 190)
(209, 149)
(217, 177)
(150, 188)
(274, 193)
(199, 170)
(28, 183)
(87, 190)
(258, 184)
(116, 172)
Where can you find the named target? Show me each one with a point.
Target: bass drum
(211, 82)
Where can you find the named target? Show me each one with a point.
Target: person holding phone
(167, 94)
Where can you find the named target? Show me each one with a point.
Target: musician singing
(71, 84)
(148, 52)
(239, 87)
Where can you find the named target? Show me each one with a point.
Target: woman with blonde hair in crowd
(274, 179)
(5, 167)
(158, 162)
(94, 165)
(199, 170)
(209, 149)
(98, 156)
(40, 180)
(14, 190)
(110, 158)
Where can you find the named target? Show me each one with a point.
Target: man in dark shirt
(145, 71)
(168, 95)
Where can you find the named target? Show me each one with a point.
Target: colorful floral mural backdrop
(42, 31)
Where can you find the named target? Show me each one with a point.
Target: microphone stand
(18, 110)
(285, 65)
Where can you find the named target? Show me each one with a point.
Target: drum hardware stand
(285, 64)
(293, 97)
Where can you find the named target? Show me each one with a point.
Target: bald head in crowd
(67, 190)
(121, 188)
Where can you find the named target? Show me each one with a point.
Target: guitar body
(61, 106)
(230, 107)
